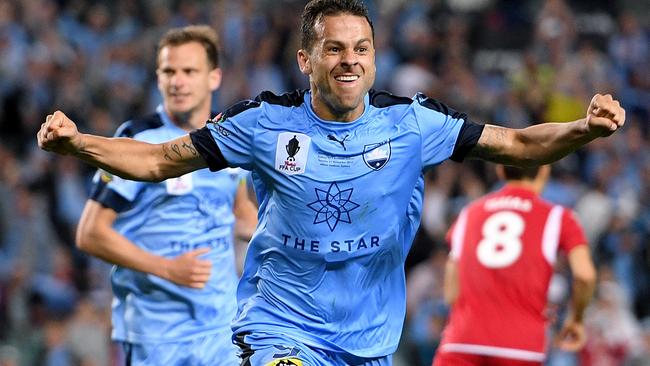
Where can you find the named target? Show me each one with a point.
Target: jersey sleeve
(228, 139)
(445, 133)
(571, 234)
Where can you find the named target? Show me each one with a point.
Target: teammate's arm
(245, 214)
(450, 284)
(548, 142)
(96, 236)
(572, 336)
(124, 157)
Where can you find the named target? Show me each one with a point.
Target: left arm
(549, 142)
(245, 214)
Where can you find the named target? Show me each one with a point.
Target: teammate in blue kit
(170, 306)
(338, 171)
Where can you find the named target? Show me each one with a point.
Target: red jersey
(505, 245)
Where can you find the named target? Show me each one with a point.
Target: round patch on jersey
(287, 361)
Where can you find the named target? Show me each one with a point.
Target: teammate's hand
(604, 115)
(59, 134)
(188, 270)
(572, 337)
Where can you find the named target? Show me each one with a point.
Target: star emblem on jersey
(333, 206)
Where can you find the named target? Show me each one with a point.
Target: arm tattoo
(174, 151)
(167, 157)
(190, 148)
(177, 150)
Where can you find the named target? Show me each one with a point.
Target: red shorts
(466, 359)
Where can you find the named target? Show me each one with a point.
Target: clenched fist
(604, 115)
(188, 270)
(59, 134)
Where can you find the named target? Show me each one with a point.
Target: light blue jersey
(340, 204)
(168, 219)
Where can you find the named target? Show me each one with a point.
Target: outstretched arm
(96, 236)
(549, 142)
(124, 157)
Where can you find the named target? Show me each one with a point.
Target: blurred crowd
(506, 62)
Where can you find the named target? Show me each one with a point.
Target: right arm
(450, 285)
(96, 236)
(572, 336)
(124, 157)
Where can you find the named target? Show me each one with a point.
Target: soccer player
(169, 306)
(338, 171)
(503, 247)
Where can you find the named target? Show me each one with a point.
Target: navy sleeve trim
(109, 198)
(382, 99)
(468, 137)
(208, 148)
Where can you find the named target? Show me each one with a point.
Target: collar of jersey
(518, 190)
(336, 124)
(164, 117)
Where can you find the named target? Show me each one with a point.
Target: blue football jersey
(340, 204)
(168, 219)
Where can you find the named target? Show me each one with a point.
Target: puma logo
(341, 142)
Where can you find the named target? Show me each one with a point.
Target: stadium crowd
(503, 61)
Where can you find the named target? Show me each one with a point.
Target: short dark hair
(315, 10)
(202, 34)
(517, 173)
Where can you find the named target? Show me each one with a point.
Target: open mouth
(346, 78)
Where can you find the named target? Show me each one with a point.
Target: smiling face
(340, 66)
(186, 81)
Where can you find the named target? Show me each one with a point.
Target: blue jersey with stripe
(168, 219)
(340, 204)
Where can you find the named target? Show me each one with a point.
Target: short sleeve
(233, 133)
(440, 127)
(571, 234)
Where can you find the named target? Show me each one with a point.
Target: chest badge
(376, 155)
(291, 153)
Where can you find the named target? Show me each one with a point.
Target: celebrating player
(338, 171)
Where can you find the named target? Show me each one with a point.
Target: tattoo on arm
(177, 150)
(174, 154)
(166, 152)
(190, 148)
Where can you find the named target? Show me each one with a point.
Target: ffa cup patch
(376, 155)
(291, 153)
(180, 185)
(287, 361)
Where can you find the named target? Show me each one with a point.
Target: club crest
(377, 155)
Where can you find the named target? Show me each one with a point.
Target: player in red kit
(503, 248)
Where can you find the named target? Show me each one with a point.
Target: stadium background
(504, 61)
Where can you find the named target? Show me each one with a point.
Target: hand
(572, 337)
(188, 270)
(604, 115)
(59, 134)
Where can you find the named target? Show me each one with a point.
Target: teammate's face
(340, 65)
(185, 80)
